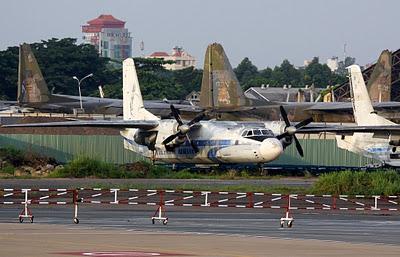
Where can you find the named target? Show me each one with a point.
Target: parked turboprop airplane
(375, 137)
(33, 92)
(196, 141)
(222, 96)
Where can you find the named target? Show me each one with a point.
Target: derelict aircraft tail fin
(32, 87)
(364, 113)
(133, 107)
(220, 87)
(379, 83)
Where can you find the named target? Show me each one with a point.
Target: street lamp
(79, 86)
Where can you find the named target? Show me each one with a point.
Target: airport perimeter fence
(163, 199)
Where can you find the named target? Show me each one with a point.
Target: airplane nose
(270, 149)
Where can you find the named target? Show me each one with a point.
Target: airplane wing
(393, 129)
(141, 124)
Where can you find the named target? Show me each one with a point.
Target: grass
(344, 182)
(83, 167)
(358, 183)
(213, 188)
(336, 183)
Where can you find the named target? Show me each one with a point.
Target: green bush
(82, 167)
(8, 169)
(358, 182)
(11, 155)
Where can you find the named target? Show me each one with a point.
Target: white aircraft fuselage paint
(218, 142)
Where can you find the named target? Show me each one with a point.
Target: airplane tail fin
(133, 108)
(220, 87)
(379, 83)
(364, 113)
(32, 87)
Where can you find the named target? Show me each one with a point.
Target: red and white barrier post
(75, 201)
(288, 219)
(26, 212)
(158, 215)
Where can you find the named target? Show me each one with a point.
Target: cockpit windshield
(258, 134)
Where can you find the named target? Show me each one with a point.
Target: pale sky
(265, 31)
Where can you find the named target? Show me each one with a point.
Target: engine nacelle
(147, 138)
(394, 142)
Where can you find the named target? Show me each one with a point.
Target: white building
(181, 58)
(109, 36)
(333, 63)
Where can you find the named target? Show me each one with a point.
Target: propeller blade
(176, 115)
(194, 146)
(284, 116)
(170, 138)
(303, 123)
(284, 134)
(196, 119)
(298, 146)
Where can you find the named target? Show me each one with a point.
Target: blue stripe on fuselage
(186, 149)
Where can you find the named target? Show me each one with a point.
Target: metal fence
(204, 199)
(110, 148)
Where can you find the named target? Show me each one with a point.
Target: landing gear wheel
(152, 221)
(282, 223)
(165, 222)
(31, 219)
(290, 224)
(76, 220)
(21, 220)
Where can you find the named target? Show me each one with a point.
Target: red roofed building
(181, 58)
(109, 36)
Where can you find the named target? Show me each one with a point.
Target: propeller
(290, 131)
(183, 129)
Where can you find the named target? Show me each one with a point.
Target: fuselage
(217, 142)
(372, 147)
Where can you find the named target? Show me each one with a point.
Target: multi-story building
(181, 58)
(109, 36)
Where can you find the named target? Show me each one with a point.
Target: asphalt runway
(193, 231)
(350, 227)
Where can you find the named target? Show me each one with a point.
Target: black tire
(152, 221)
(21, 220)
(165, 222)
(31, 219)
(76, 220)
(290, 224)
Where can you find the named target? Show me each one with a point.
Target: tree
(317, 74)
(257, 81)
(286, 74)
(61, 59)
(8, 73)
(190, 79)
(245, 71)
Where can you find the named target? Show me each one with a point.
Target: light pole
(79, 86)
